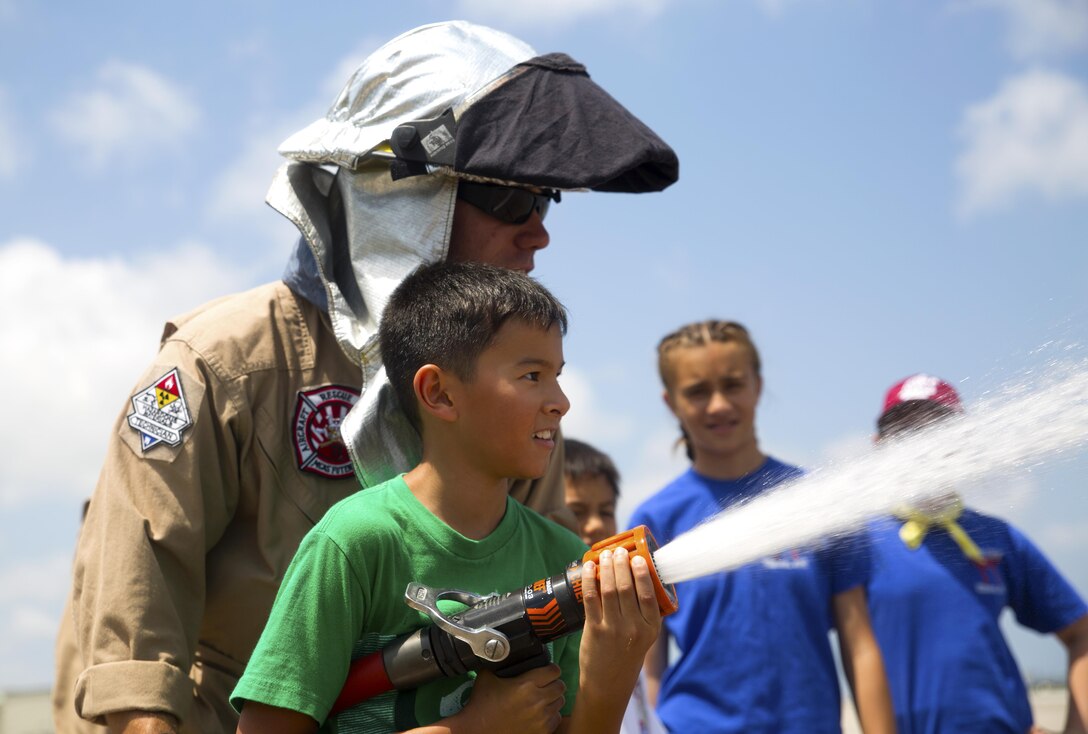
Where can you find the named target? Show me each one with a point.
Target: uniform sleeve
(167, 490)
(849, 560)
(1039, 595)
(303, 656)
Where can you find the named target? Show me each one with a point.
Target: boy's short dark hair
(447, 314)
(582, 461)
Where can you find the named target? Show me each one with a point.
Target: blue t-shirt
(754, 651)
(935, 614)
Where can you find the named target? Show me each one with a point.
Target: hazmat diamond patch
(160, 413)
(318, 445)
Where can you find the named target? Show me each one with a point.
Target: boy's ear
(431, 386)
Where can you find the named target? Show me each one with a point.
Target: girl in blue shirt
(754, 654)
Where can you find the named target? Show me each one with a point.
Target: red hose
(366, 678)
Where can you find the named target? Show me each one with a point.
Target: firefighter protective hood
(372, 185)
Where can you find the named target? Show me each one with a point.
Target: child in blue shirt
(754, 654)
(942, 575)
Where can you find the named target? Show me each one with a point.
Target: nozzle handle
(486, 642)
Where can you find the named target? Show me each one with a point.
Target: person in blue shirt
(754, 653)
(942, 574)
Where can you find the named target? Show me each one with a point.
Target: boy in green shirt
(474, 354)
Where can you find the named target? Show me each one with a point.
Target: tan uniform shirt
(206, 492)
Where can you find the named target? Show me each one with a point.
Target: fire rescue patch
(318, 445)
(160, 413)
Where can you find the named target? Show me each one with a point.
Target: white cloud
(76, 334)
(129, 113)
(643, 461)
(11, 148)
(338, 77)
(1032, 136)
(238, 192)
(585, 420)
(254, 47)
(35, 581)
(658, 460)
(502, 12)
(1041, 27)
(647, 460)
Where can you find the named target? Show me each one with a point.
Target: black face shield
(544, 124)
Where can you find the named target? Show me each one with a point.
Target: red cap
(925, 388)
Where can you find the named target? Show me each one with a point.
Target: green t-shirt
(343, 597)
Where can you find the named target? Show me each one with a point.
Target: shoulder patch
(319, 447)
(160, 413)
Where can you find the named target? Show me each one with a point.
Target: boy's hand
(527, 704)
(622, 618)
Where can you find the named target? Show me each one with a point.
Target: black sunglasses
(507, 203)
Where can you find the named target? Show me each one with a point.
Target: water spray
(1011, 431)
(505, 633)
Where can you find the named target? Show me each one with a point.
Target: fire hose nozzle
(505, 633)
(638, 541)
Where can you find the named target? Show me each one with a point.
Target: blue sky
(875, 187)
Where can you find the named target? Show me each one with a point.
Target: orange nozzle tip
(639, 541)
